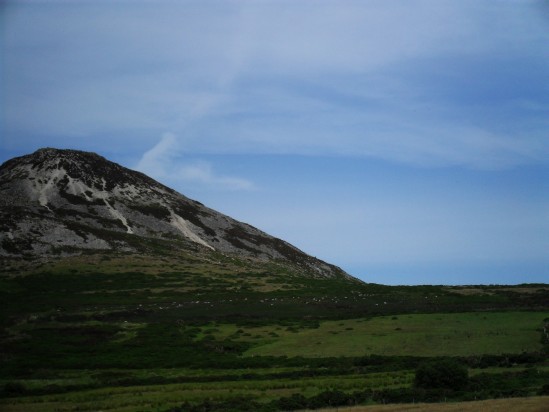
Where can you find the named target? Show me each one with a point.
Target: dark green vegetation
(188, 332)
(442, 374)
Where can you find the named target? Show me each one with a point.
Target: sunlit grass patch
(455, 334)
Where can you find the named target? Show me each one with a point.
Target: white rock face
(46, 189)
(66, 201)
(181, 224)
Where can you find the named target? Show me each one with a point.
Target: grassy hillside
(129, 332)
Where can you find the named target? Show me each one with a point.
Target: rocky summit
(66, 202)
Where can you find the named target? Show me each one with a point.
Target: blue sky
(405, 141)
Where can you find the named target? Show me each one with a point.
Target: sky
(406, 141)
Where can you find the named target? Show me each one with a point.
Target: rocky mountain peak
(87, 167)
(68, 202)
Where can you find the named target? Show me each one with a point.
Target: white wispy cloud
(165, 162)
(382, 79)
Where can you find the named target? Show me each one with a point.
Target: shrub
(292, 403)
(544, 390)
(14, 389)
(441, 374)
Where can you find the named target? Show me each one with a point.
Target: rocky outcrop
(67, 201)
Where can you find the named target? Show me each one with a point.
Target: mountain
(66, 202)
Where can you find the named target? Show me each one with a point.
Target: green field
(159, 397)
(454, 334)
(186, 333)
(341, 363)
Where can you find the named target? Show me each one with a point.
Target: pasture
(440, 334)
(177, 333)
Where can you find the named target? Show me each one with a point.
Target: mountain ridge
(67, 202)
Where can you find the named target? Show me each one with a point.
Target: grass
(128, 332)
(160, 397)
(453, 334)
(153, 397)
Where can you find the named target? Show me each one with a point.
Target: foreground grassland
(191, 333)
(159, 397)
